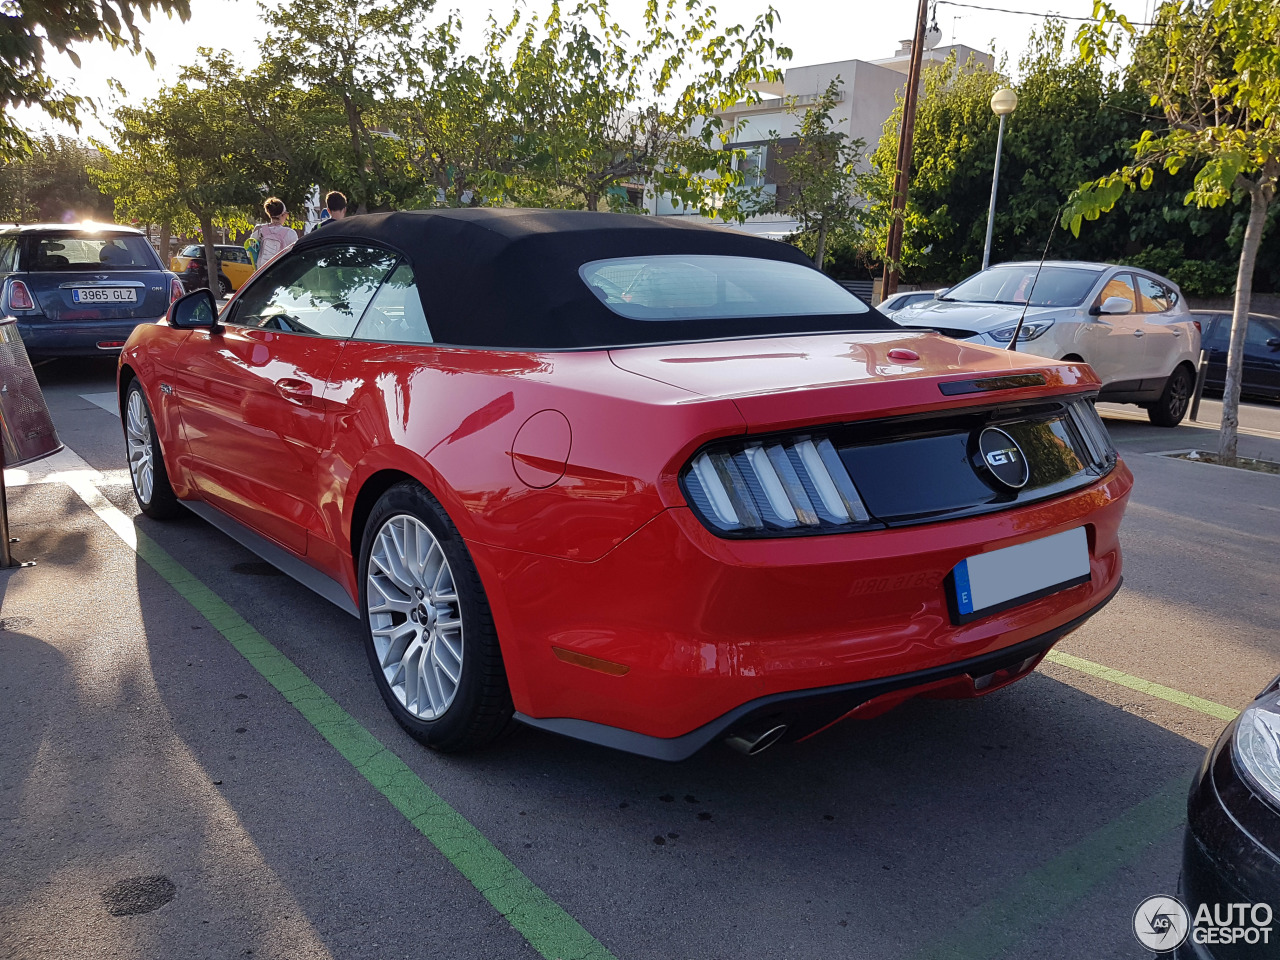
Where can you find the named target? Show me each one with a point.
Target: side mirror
(1115, 305)
(197, 310)
(939, 294)
(1274, 343)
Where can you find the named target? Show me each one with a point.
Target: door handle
(291, 389)
(1177, 332)
(1138, 333)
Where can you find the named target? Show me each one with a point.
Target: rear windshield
(715, 288)
(194, 250)
(1012, 283)
(77, 251)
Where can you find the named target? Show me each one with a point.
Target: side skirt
(278, 557)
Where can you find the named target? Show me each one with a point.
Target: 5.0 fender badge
(1003, 458)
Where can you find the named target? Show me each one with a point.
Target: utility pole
(893, 251)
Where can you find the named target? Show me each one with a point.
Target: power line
(1030, 13)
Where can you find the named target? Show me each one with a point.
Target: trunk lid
(81, 275)
(783, 382)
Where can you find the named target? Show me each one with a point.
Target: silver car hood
(978, 317)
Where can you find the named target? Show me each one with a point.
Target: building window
(752, 166)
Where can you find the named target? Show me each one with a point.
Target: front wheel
(146, 463)
(429, 634)
(1172, 406)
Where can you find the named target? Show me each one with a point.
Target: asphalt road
(145, 760)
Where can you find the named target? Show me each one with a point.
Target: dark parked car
(1231, 855)
(80, 289)
(1261, 352)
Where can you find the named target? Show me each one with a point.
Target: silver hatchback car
(1130, 325)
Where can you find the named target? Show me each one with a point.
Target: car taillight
(1199, 329)
(175, 289)
(20, 296)
(774, 488)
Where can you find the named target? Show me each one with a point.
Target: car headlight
(1030, 330)
(777, 487)
(1257, 744)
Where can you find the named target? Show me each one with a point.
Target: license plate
(990, 582)
(104, 295)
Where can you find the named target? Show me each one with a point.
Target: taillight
(20, 296)
(779, 487)
(1199, 329)
(175, 289)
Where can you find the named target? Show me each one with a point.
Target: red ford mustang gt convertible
(642, 483)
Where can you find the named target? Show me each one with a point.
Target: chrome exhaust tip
(751, 742)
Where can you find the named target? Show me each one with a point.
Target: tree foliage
(29, 28)
(52, 183)
(822, 187)
(1212, 69)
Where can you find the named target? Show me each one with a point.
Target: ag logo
(1161, 923)
(1003, 458)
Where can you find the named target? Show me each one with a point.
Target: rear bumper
(707, 632)
(75, 338)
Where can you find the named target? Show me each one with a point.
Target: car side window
(1121, 285)
(319, 292)
(395, 314)
(1155, 296)
(1257, 335)
(235, 255)
(8, 254)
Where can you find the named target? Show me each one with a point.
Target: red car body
(622, 617)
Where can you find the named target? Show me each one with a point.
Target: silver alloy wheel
(137, 433)
(415, 616)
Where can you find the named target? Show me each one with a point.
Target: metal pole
(1202, 371)
(893, 248)
(991, 211)
(6, 554)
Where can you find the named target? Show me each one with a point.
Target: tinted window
(193, 250)
(1258, 334)
(70, 251)
(8, 254)
(1014, 283)
(395, 314)
(713, 287)
(1121, 285)
(1156, 297)
(233, 255)
(318, 292)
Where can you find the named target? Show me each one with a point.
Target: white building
(867, 99)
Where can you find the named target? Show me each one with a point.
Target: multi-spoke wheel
(428, 631)
(1172, 406)
(146, 463)
(414, 617)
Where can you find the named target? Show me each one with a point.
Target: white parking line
(107, 401)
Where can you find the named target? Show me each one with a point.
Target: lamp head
(1004, 101)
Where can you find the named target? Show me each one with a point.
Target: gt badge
(1003, 458)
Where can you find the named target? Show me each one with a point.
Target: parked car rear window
(72, 251)
(712, 287)
(1011, 283)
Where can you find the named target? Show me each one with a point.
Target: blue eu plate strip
(964, 598)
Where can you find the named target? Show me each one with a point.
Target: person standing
(273, 238)
(335, 206)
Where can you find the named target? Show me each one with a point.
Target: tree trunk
(820, 255)
(1240, 322)
(166, 236)
(593, 201)
(210, 256)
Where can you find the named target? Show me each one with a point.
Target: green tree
(53, 183)
(1212, 68)
(30, 28)
(599, 115)
(822, 187)
(350, 60)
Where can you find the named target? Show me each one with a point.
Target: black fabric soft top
(508, 278)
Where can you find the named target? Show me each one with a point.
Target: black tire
(224, 287)
(1174, 402)
(480, 710)
(162, 504)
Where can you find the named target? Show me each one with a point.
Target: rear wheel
(1172, 406)
(146, 463)
(429, 634)
(224, 287)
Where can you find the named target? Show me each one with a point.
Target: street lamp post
(1003, 103)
